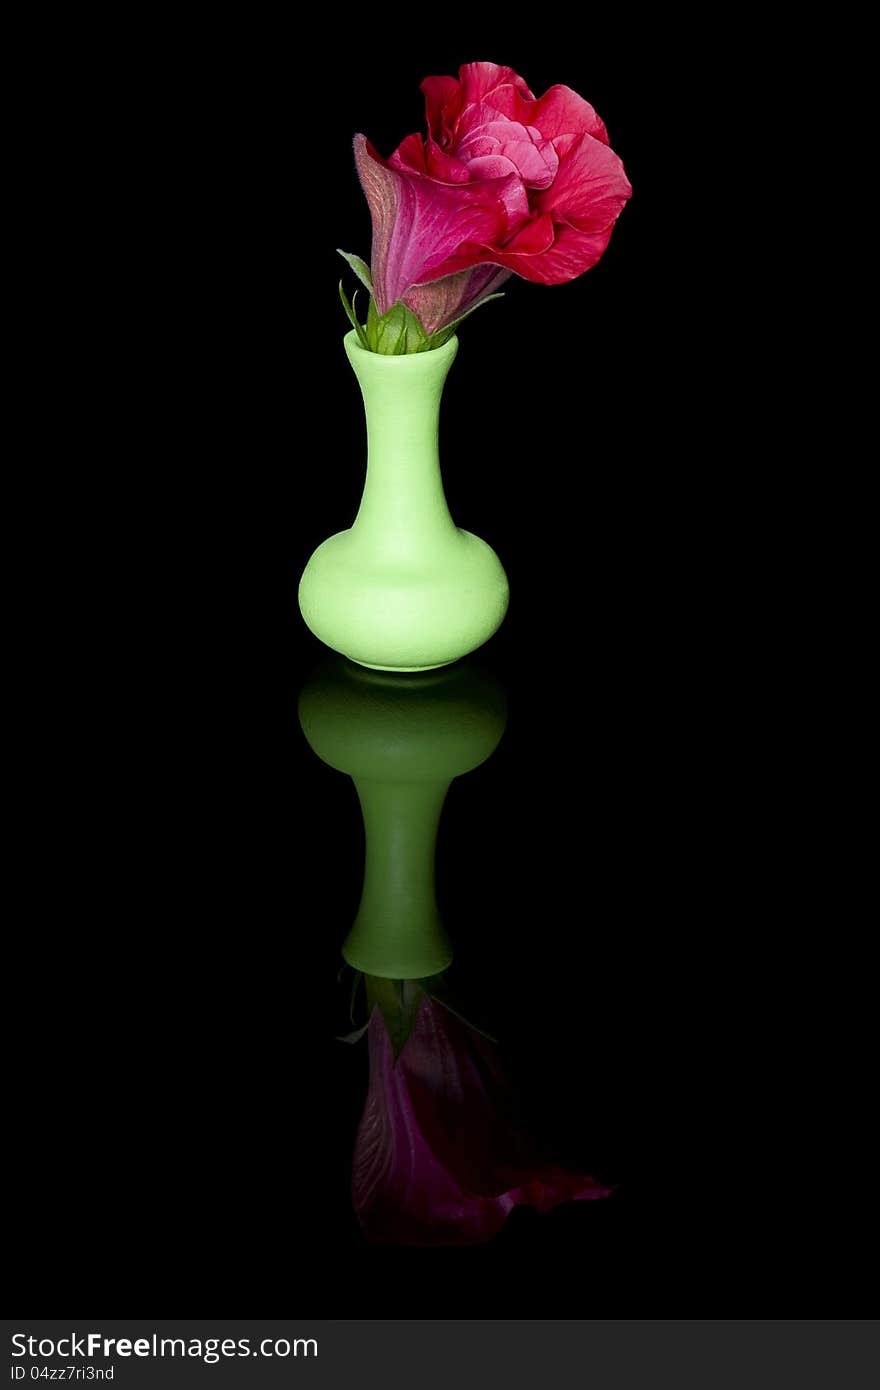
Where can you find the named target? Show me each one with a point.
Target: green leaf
(444, 334)
(360, 268)
(351, 315)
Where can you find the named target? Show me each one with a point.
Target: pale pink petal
(534, 156)
(497, 166)
(510, 189)
(479, 133)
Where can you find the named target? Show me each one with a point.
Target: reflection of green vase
(404, 589)
(403, 740)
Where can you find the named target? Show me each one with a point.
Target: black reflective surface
(551, 957)
(181, 1006)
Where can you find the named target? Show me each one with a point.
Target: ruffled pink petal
(570, 254)
(410, 154)
(497, 166)
(443, 102)
(478, 80)
(418, 223)
(498, 170)
(560, 111)
(532, 240)
(443, 166)
(572, 222)
(590, 187)
(549, 252)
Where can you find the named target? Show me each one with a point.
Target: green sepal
(437, 989)
(391, 339)
(355, 985)
(399, 331)
(372, 324)
(398, 1001)
(360, 268)
(351, 315)
(396, 332)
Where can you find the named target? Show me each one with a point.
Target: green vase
(402, 740)
(404, 589)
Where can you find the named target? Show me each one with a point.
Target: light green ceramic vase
(404, 589)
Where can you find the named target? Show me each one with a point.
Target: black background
(182, 1115)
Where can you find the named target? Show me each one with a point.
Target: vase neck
(403, 499)
(398, 932)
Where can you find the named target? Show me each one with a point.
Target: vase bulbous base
(404, 613)
(404, 670)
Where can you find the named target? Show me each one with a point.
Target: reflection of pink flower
(505, 182)
(438, 1159)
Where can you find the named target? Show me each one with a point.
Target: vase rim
(353, 345)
